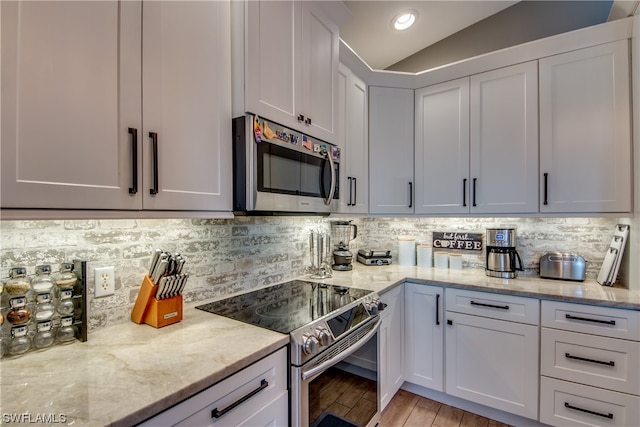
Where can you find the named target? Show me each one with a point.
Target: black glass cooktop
(287, 306)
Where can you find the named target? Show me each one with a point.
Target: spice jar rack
(40, 311)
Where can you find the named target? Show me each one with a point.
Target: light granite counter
(127, 373)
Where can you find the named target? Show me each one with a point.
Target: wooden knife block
(154, 312)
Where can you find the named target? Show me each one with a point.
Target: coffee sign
(462, 241)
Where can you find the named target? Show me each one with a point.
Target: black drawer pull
(437, 309)
(610, 363)
(217, 414)
(501, 307)
(600, 414)
(154, 160)
(134, 160)
(585, 319)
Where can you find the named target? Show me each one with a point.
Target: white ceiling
(370, 35)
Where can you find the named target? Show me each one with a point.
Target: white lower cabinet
(489, 361)
(590, 365)
(391, 344)
(254, 396)
(424, 351)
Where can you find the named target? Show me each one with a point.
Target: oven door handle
(343, 355)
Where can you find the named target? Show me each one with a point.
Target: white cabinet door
(504, 140)
(391, 150)
(424, 333)
(585, 130)
(391, 345)
(493, 362)
(271, 69)
(353, 140)
(319, 80)
(291, 70)
(442, 148)
(70, 91)
(187, 106)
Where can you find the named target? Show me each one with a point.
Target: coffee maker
(502, 258)
(342, 232)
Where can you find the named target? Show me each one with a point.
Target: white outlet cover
(104, 281)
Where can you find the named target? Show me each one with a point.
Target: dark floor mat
(330, 420)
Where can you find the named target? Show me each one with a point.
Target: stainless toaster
(565, 266)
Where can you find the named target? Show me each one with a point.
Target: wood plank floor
(409, 410)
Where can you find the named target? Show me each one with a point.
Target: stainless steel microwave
(281, 171)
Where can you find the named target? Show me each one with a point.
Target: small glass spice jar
(19, 314)
(44, 307)
(18, 283)
(66, 278)
(66, 305)
(43, 282)
(44, 336)
(67, 332)
(20, 342)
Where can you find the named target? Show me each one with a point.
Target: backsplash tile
(225, 256)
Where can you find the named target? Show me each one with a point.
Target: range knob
(310, 345)
(323, 335)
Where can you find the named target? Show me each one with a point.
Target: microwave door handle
(328, 200)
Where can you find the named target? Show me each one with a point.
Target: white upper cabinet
(477, 143)
(70, 92)
(353, 139)
(442, 148)
(187, 106)
(391, 150)
(291, 69)
(73, 133)
(504, 140)
(585, 130)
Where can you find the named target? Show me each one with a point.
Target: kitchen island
(127, 373)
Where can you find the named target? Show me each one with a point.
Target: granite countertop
(127, 373)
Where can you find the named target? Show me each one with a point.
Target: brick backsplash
(225, 256)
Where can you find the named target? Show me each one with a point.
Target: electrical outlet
(105, 281)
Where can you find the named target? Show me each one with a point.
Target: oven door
(342, 383)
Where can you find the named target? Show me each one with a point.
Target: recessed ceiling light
(404, 20)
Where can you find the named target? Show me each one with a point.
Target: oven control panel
(314, 338)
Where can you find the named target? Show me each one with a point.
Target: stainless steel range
(333, 331)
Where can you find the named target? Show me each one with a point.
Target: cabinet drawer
(588, 359)
(495, 306)
(590, 319)
(569, 404)
(197, 410)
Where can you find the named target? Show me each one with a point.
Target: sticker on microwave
(306, 142)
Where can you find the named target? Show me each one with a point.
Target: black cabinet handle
(355, 192)
(154, 149)
(308, 120)
(600, 414)
(474, 191)
(586, 319)
(449, 322)
(546, 183)
(437, 309)
(464, 192)
(134, 160)
(501, 307)
(349, 202)
(410, 194)
(300, 118)
(217, 414)
(584, 359)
